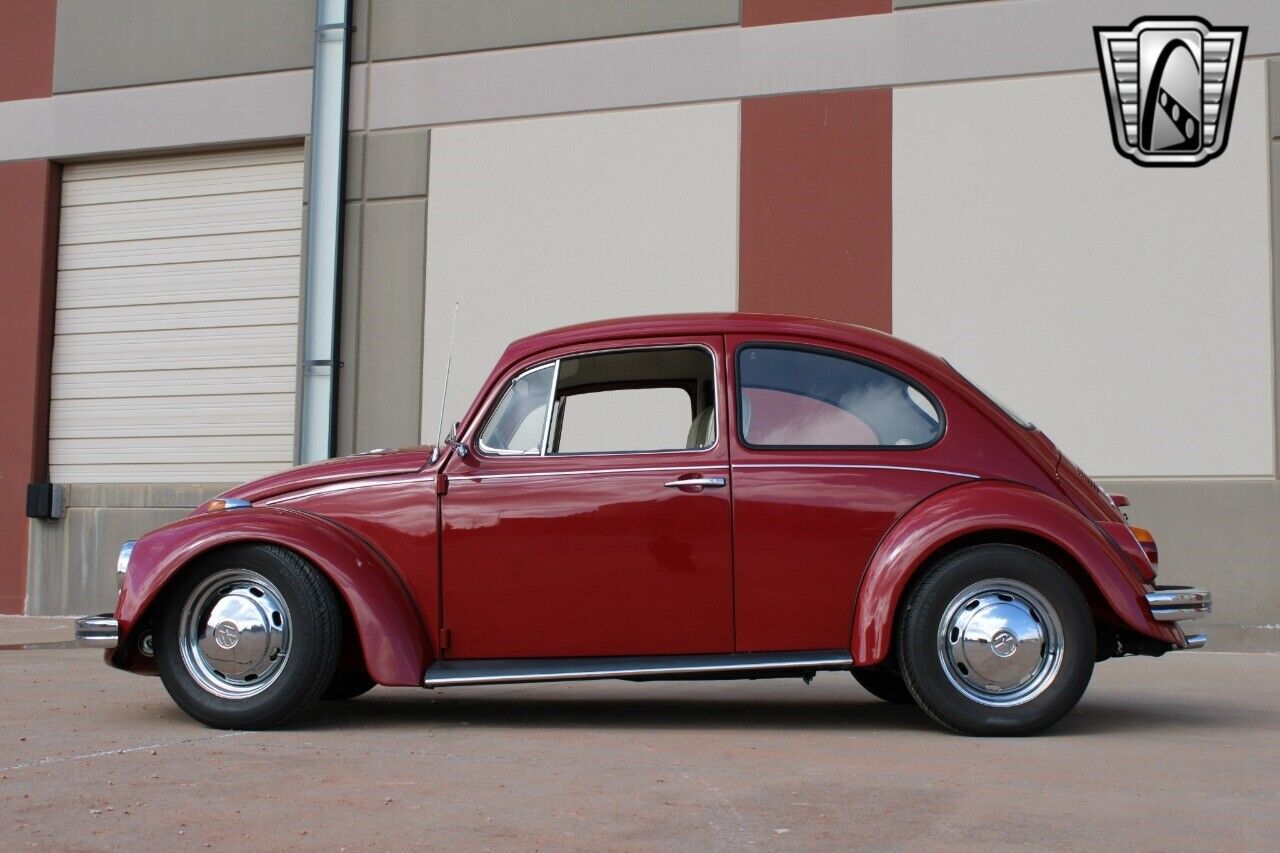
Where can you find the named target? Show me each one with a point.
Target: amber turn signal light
(1147, 541)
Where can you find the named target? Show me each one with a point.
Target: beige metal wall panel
(388, 367)
(538, 223)
(131, 42)
(396, 163)
(402, 28)
(1126, 310)
(1273, 89)
(175, 338)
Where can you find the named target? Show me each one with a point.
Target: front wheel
(248, 638)
(996, 640)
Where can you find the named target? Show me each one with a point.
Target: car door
(829, 449)
(591, 515)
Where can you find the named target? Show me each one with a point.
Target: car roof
(723, 323)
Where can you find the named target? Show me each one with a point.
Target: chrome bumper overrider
(97, 632)
(1181, 604)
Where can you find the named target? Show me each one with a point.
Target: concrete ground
(1177, 752)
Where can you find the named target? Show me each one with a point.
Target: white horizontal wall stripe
(258, 107)
(930, 44)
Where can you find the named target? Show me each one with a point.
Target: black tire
(942, 688)
(315, 640)
(883, 683)
(347, 685)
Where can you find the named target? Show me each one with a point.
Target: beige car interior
(645, 419)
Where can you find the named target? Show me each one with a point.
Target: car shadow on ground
(395, 709)
(390, 708)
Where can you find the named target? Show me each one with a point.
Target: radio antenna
(444, 394)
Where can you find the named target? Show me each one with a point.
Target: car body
(831, 483)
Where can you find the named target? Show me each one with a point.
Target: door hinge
(444, 639)
(442, 483)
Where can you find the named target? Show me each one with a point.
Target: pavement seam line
(58, 759)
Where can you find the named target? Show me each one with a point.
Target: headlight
(122, 562)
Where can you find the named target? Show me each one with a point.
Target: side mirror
(452, 441)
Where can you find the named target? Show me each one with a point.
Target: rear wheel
(996, 640)
(883, 683)
(248, 638)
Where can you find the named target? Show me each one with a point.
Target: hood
(375, 463)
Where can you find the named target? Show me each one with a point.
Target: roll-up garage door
(175, 339)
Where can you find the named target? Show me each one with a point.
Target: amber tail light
(1147, 541)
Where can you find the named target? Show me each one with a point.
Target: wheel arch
(993, 512)
(389, 629)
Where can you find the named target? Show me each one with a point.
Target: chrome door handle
(705, 482)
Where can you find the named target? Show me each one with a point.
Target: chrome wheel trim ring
(233, 634)
(1000, 643)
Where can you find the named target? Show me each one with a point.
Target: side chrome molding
(449, 673)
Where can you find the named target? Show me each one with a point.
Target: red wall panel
(29, 193)
(27, 29)
(757, 13)
(28, 258)
(816, 228)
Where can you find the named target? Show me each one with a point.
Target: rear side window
(789, 397)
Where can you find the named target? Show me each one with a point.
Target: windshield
(1018, 419)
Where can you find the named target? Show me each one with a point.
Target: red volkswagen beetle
(672, 497)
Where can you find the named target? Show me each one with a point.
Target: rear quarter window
(792, 397)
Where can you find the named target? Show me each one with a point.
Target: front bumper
(98, 632)
(1181, 604)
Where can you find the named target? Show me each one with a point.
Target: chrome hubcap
(234, 633)
(1000, 642)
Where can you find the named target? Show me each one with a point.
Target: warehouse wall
(132, 42)
(1025, 247)
(544, 222)
(405, 28)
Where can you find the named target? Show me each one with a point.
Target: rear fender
(989, 507)
(391, 630)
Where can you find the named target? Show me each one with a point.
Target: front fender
(982, 507)
(391, 630)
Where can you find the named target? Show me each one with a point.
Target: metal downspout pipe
(322, 294)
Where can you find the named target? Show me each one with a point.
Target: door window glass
(801, 398)
(635, 401)
(625, 419)
(628, 401)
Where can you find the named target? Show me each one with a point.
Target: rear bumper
(1181, 604)
(98, 632)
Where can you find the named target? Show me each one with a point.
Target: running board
(449, 673)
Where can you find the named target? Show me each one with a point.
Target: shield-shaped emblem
(1170, 86)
